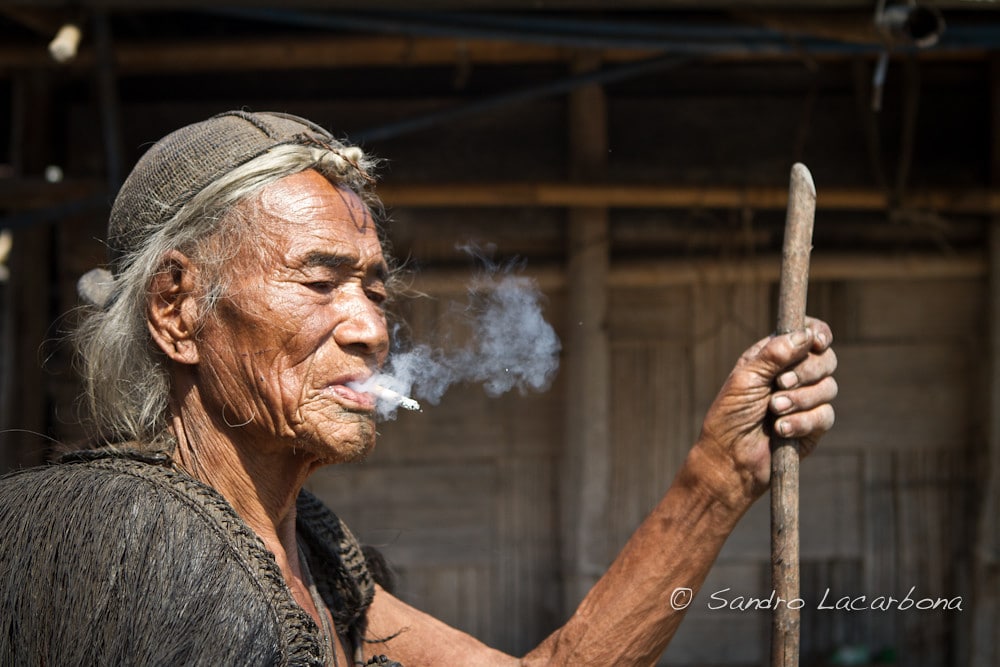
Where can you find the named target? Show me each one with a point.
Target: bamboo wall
(462, 497)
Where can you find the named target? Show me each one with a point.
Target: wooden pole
(785, 452)
(587, 458)
(984, 622)
(26, 310)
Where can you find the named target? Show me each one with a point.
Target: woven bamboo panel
(464, 497)
(650, 430)
(903, 396)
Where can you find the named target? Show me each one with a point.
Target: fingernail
(784, 428)
(821, 337)
(781, 403)
(788, 380)
(800, 337)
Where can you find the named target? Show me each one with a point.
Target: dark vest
(117, 557)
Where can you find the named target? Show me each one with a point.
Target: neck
(260, 479)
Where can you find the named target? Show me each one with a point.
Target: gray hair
(126, 387)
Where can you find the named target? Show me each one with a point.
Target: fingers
(805, 387)
(782, 385)
(822, 335)
(778, 353)
(809, 424)
(810, 370)
(781, 352)
(805, 397)
(806, 411)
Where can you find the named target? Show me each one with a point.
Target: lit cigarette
(387, 394)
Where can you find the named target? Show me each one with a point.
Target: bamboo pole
(785, 452)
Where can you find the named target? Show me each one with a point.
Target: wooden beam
(915, 266)
(271, 53)
(683, 272)
(282, 53)
(965, 200)
(21, 194)
(45, 22)
(25, 194)
(586, 461)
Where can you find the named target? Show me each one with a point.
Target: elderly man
(222, 358)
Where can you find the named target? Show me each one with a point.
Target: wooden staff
(784, 451)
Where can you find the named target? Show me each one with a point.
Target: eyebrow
(337, 262)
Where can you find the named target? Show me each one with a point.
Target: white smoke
(507, 344)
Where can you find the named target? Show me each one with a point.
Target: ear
(171, 308)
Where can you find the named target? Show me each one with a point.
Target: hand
(783, 384)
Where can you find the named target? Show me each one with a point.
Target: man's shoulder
(121, 554)
(95, 464)
(95, 502)
(101, 484)
(119, 504)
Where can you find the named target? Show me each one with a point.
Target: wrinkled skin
(260, 399)
(259, 386)
(303, 319)
(735, 430)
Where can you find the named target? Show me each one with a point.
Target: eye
(321, 286)
(377, 295)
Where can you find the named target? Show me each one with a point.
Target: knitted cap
(184, 162)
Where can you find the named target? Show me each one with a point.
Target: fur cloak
(117, 557)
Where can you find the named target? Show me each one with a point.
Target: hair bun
(95, 287)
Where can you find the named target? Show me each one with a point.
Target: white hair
(126, 386)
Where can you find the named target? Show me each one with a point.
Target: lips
(343, 388)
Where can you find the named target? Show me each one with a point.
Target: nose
(362, 327)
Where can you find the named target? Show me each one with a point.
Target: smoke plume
(498, 339)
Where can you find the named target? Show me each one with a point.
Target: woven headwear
(180, 165)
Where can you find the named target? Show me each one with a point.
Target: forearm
(627, 619)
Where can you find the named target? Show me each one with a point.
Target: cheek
(243, 365)
(270, 355)
(289, 374)
(267, 338)
(236, 377)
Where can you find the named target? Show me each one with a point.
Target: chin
(352, 452)
(351, 442)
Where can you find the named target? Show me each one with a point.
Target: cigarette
(387, 394)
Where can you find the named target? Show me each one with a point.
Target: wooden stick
(785, 452)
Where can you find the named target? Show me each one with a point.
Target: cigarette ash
(506, 344)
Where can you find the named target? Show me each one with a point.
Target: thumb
(777, 353)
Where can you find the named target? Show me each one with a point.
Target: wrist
(729, 491)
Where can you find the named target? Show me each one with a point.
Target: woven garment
(126, 560)
(187, 160)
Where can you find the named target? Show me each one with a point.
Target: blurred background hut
(634, 155)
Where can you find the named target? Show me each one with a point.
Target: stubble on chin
(351, 439)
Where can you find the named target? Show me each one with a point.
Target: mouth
(347, 390)
(391, 397)
(386, 398)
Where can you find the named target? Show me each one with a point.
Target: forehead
(301, 211)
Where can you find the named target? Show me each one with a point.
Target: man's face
(300, 320)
